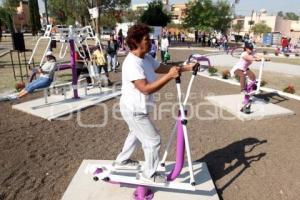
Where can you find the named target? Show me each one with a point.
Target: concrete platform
(57, 106)
(260, 108)
(83, 187)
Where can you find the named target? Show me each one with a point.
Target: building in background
(286, 28)
(22, 17)
(142, 6)
(178, 12)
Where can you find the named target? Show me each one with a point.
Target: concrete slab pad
(57, 106)
(83, 187)
(260, 108)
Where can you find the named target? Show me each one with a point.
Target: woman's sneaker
(157, 177)
(126, 165)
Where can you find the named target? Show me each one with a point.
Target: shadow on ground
(272, 97)
(233, 156)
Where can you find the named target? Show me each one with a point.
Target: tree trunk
(46, 10)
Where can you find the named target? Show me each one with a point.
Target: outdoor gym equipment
(199, 58)
(252, 88)
(76, 37)
(109, 174)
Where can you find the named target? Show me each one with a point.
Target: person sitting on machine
(139, 82)
(241, 69)
(45, 79)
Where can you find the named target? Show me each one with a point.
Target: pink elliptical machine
(143, 191)
(252, 88)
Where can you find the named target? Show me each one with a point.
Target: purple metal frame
(200, 58)
(145, 193)
(250, 87)
(74, 71)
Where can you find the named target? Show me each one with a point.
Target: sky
(245, 7)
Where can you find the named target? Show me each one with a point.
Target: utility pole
(46, 10)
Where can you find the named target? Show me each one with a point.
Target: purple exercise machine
(143, 189)
(252, 88)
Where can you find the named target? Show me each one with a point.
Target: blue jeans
(111, 62)
(38, 83)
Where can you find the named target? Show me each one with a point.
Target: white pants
(111, 62)
(141, 131)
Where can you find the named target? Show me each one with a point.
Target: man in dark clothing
(111, 50)
(80, 64)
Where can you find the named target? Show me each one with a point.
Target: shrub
(226, 74)
(20, 86)
(212, 71)
(290, 89)
(265, 52)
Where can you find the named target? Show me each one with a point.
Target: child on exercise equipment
(241, 69)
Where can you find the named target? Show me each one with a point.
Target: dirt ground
(247, 160)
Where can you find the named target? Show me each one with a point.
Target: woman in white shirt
(139, 82)
(164, 45)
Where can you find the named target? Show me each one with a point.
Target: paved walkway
(229, 61)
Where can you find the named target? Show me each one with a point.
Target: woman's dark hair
(136, 34)
(248, 45)
(51, 57)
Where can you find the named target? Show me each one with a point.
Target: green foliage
(280, 14)
(132, 15)
(155, 15)
(238, 27)
(67, 11)
(34, 16)
(289, 15)
(212, 71)
(108, 20)
(6, 12)
(261, 28)
(206, 16)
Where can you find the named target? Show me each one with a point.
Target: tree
(132, 15)
(65, 10)
(223, 16)
(238, 27)
(35, 17)
(6, 13)
(206, 16)
(261, 28)
(155, 15)
(291, 16)
(288, 15)
(280, 14)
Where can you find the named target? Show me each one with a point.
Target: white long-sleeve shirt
(164, 44)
